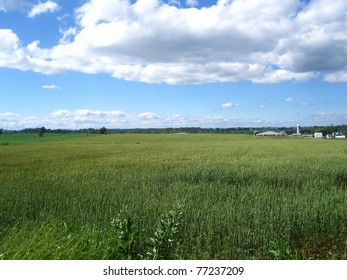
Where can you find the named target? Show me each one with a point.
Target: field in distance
(194, 196)
(29, 138)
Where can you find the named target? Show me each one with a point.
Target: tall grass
(244, 197)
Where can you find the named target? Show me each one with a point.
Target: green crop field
(27, 138)
(191, 196)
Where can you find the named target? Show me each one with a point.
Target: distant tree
(91, 131)
(103, 130)
(42, 131)
(1, 131)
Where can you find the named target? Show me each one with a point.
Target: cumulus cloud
(41, 8)
(283, 75)
(9, 120)
(7, 115)
(86, 118)
(328, 118)
(230, 105)
(148, 116)
(337, 77)
(51, 87)
(289, 99)
(67, 35)
(11, 54)
(153, 42)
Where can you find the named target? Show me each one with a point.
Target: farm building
(318, 135)
(338, 135)
(298, 133)
(272, 133)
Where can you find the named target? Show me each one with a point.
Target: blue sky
(150, 63)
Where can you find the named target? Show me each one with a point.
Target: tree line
(191, 130)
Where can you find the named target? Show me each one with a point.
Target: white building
(318, 135)
(272, 133)
(338, 135)
(298, 133)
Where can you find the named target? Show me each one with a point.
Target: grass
(241, 197)
(30, 138)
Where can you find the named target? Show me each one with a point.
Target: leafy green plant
(279, 252)
(125, 235)
(165, 240)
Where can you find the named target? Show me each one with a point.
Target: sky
(169, 63)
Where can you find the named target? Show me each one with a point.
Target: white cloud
(41, 8)
(63, 17)
(67, 35)
(86, 118)
(149, 41)
(282, 75)
(148, 116)
(7, 115)
(51, 87)
(175, 2)
(9, 120)
(337, 77)
(8, 5)
(192, 3)
(230, 105)
(328, 118)
(293, 101)
(11, 55)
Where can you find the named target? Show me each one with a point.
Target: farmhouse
(272, 133)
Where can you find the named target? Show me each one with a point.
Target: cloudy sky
(171, 63)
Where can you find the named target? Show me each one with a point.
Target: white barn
(272, 133)
(318, 135)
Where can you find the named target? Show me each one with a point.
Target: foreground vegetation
(173, 197)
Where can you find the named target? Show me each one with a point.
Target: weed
(165, 241)
(279, 252)
(124, 235)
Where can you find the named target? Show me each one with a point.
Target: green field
(172, 196)
(27, 138)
